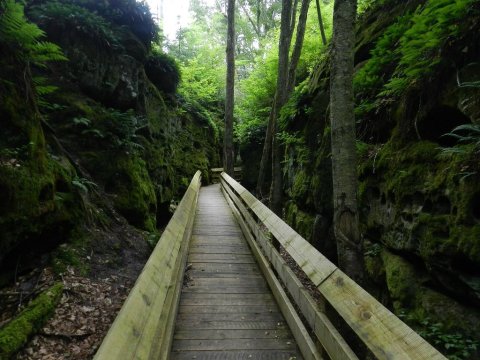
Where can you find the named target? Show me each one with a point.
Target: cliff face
(108, 129)
(416, 70)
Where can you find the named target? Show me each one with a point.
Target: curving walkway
(226, 308)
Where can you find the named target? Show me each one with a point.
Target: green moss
(17, 332)
(135, 196)
(440, 235)
(400, 278)
(373, 261)
(300, 220)
(301, 185)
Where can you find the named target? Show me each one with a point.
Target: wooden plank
(225, 258)
(195, 274)
(232, 325)
(224, 268)
(226, 290)
(226, 299)
(237, 355)
(208, 309)
(233, 344)
(220, 249)
(230, 282)
(232, 334)
(243, 316)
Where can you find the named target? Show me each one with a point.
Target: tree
(344, 161)
(320, 23)
(284, 88)
(229, 99)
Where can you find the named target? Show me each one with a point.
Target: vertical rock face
(418, 189)
(108, 124)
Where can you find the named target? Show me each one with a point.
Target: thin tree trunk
(320, 23)
(266, 153)
(229, 100)
(344, 159)
(297, 49)
(276, 190)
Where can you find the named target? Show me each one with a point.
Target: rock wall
(107, 129)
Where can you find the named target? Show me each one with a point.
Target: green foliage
(454, 345)
(60, 16)
(134, 14)
(17, 332)
(203, 80)
(23, 40)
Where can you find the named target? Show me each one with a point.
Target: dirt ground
(89, 304)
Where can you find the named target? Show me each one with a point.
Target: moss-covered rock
(301, 221)
(16, 333)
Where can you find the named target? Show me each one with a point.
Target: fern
(409, 52)
(23, 43)
(467, 134)
(419, 50)
(23, 38)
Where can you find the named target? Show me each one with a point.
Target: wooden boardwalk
(226, 308)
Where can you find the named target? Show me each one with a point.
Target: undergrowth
(454, 345)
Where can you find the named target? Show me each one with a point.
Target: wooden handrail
(382, 332)
(216, 172)
(143, 329)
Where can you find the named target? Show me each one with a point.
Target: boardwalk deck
(226, 308)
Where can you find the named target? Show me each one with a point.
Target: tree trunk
(297, 50)
(344, 159)
(320, 23)
(266, 153)
(276, 190)
(229, 99)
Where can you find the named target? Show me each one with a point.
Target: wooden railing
(385, 335)
(216, 172)
(144, 326)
